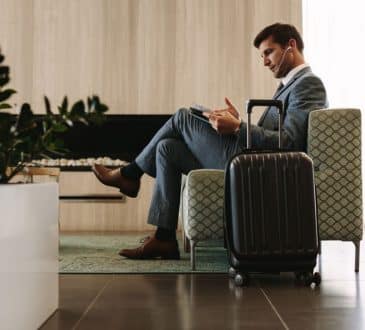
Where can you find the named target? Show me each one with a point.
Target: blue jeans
(183, 144)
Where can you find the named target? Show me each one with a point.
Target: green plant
(24, 137)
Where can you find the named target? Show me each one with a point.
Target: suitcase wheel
(308, 278)
(241, 279)
(317, 278)
(299, 276)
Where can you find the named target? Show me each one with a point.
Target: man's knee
(165, 146)
(182, 113)
(180, 118)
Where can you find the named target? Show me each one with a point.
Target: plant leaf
(4, 75)
(4, 95)
(59, 127)
(63, 108)
(96, 118)
(5, 106)
(48, 105)
(83, 121)
(101, 108)
(77, 110)
(5, 125)
(4, 70)
(89, 103)
(25, 119)
(4, 80)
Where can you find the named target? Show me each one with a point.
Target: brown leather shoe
(113, 178)
(153, 248)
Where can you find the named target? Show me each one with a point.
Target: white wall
(333, 33)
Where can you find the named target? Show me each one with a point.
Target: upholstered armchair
(334, 144)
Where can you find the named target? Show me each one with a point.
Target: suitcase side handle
(250, 104)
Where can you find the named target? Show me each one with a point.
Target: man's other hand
(231, 109)
(224, 121)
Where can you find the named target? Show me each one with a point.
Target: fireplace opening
(120, 138)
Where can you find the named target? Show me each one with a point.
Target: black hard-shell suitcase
(270, 210)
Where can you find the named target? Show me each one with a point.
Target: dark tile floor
(211, 301)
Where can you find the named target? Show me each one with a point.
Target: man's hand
(231, 109)
(224, 121)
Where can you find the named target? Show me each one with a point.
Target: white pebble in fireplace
(82, 162)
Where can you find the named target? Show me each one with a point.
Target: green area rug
(98, 253)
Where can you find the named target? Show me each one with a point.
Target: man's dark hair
(281, 34)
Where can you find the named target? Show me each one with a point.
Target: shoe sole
(162, 257)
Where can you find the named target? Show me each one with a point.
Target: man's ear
(292, 44)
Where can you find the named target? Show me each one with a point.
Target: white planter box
(28, 254)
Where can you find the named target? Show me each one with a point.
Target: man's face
(275, 57)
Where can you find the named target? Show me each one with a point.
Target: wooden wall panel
(262, 14)
(129, 214)
(206, 70)
(140, 57)
(69, 50)
(16, 42)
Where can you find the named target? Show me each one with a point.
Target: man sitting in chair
(187, 143)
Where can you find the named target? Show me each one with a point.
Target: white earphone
(283, 56)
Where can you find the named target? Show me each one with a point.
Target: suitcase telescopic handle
(250, 104)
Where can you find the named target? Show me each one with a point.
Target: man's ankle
(163, 234)
(131, 171)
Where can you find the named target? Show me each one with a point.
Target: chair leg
(192, 254)
(186, 242)
(357, 255)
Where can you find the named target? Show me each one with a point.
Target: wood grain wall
(140, 57)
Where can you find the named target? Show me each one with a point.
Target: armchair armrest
(203, 204)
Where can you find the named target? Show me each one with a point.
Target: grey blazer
(304, 92)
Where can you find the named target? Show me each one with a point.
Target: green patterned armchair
(334, 144)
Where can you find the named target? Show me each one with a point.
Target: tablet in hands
(197, 110)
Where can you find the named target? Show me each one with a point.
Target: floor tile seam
(274, 308)
(92, 303)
